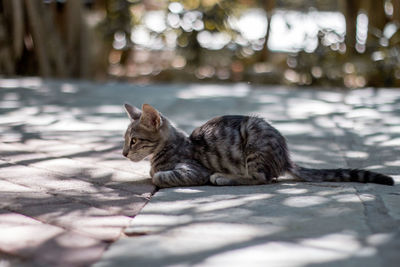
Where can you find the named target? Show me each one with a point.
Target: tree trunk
(77, 39)
(54, 44)
(351, 8)
(17, 27)
(39, 36)
(269, 6)
(377, 18)
(84, 53)
(6, 61)
(396, 10)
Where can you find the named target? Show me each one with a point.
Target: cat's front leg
(224, 179)
(182, 175)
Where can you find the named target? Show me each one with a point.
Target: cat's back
(214, 124)
(222, 142)
(232, 128)
(219, 129)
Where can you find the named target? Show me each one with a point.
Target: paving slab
(32, 243)
(286, 224)
(84, 219)
(19, 233)
(68, 249)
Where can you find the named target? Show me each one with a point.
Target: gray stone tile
(282, 224)
(115, 201)
(81, 218)
(19, 233)
(69, 249)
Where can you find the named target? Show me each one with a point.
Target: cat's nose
(125, 153)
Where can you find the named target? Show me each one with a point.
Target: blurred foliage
(191, 40)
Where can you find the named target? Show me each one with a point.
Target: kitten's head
(144, 132)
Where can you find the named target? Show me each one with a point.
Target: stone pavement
(68, 198)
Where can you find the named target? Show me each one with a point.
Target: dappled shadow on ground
(286, 224)
(66, 191)
(61, 164)
(62, 219)
(68, 213)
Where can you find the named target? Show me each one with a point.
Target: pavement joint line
(78, 200)
(6, 258)
(63, 228)
(90, 204)
(73, 229)
(377, 212)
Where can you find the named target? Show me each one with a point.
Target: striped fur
(226, 150)
(240, 150)
(340, 175)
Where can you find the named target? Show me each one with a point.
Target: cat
(226, 150)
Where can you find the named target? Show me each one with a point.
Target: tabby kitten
(226, 150)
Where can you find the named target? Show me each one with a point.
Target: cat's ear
(133, 112)
(150, 118)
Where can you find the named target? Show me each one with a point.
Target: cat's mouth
(136, 158)
(132, 157)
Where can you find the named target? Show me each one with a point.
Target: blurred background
(346, 43)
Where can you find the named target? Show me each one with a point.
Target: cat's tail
(340, 175)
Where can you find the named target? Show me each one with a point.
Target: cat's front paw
(213, 178)
(220, 179)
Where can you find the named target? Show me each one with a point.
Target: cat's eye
(133, 141)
